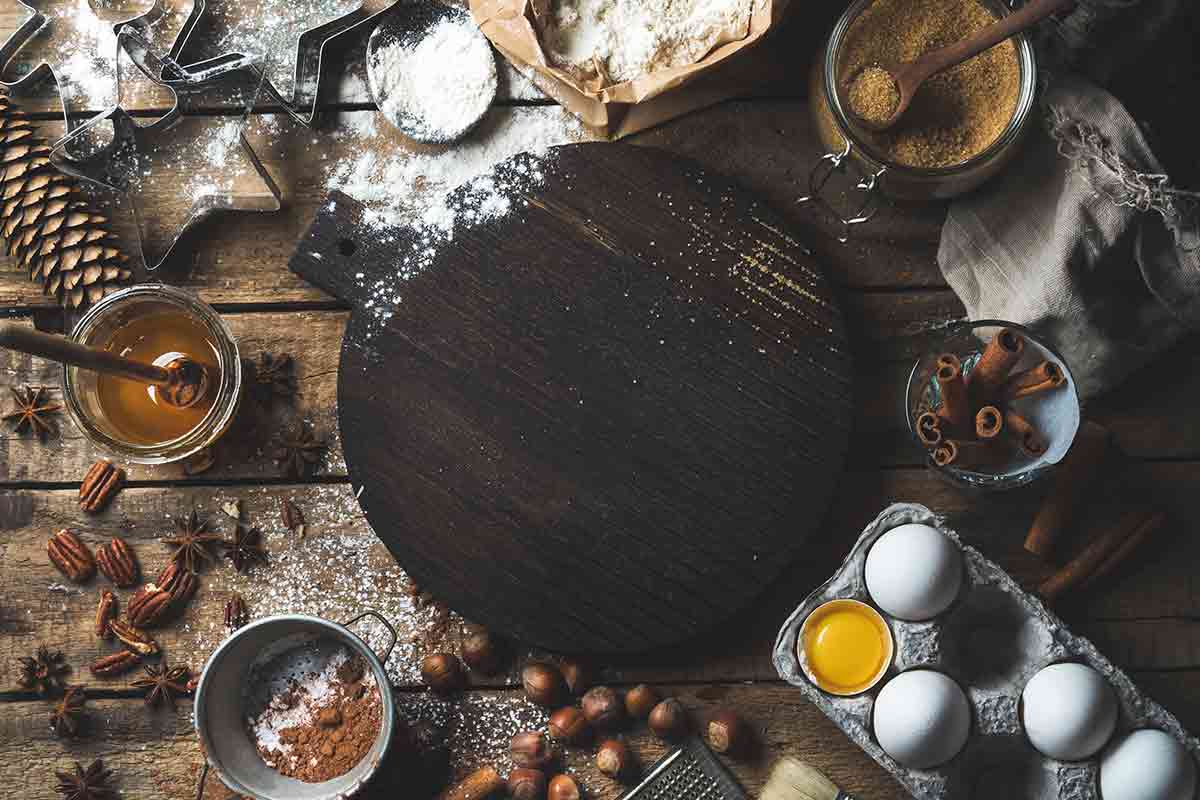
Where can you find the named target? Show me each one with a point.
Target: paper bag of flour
(553, 43)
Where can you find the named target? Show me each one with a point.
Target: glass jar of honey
(153, 323)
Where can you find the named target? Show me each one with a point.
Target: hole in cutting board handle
(347, 246)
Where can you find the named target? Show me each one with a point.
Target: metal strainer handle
(379, 618)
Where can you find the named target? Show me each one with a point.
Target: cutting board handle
(342, 255)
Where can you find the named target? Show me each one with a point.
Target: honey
(134, 410)
(845, 647)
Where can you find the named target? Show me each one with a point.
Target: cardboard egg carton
(993, 639)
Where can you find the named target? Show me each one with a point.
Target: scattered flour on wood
(407, 191)
(630, 38)
(440, 84)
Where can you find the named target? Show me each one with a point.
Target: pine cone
(51, 227)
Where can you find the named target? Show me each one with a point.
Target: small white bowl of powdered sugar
(431, 71)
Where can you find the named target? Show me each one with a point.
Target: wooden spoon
(907, 77)
(182, 381)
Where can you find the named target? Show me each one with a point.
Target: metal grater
(690, 773)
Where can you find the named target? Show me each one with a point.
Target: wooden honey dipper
(182, 382)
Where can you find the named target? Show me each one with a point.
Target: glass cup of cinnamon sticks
(991, 405)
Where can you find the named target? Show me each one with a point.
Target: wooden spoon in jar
(884, 91)
(181, 382)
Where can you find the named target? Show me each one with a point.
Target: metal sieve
(220, 712)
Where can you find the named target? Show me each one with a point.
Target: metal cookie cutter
(818, 178)
(309, 55)
(43, 19)
(126, 164)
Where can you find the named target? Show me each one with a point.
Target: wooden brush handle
(60, 348)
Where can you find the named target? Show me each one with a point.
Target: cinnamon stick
(955, 407)
(1102, 554)
(989, 422)
(481, 783)
(999, 357)
(1149, 526)
(1040, 378)
(1028, 438)
(1071, 480)
(929, 428)
(967, 453)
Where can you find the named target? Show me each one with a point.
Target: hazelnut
(668, 720)
(543, 683)
(530, 750)
(612, 758)
(527, 784)
(578, 675)
(640, 701)
(442, 672)
(569, 725)
(602, 707)
(479, 651)
(563, 787)
(725, 732)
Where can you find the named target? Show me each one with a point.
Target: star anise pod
(192, 542)
(299, 451)
(44, 671)
(245, 548)
(86, 784)
(275, 374)
(33, 411)
(162, 683)
(67, 715)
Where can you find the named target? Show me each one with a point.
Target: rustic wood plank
(1146, 424)
(309, 576)
(156, 753)
(239, 258)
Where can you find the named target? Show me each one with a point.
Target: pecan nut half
(100, 485)
(71, 556)
(179, 583)
(115, 663)
(133, 638)
(106, 612)
(147, 606)
(117, 562)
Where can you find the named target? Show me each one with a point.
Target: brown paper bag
(620, 109)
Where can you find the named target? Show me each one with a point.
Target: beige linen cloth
(1083, 237)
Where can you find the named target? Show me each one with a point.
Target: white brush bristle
(792, 779)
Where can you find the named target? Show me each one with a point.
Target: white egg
(1147, 765)
(1069, 711)
(914, 572)
(921, 718)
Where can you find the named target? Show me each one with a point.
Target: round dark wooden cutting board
(602, 421)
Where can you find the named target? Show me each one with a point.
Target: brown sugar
(954, 115)
(873, 95)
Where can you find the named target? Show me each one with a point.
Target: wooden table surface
(1145, 618)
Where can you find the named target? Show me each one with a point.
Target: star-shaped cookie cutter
(36, 23)
(122, 163)
(310, 52)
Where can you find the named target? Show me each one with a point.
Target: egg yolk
(847, 647)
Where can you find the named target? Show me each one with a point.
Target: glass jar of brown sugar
(153, 323)
(963, 125)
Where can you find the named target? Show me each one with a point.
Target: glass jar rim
(229, 365)
(1025, 101)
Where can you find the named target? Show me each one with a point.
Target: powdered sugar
(630, 38)
(82, 50)
(439, 85)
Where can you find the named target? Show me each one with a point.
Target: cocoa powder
(338, 731)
